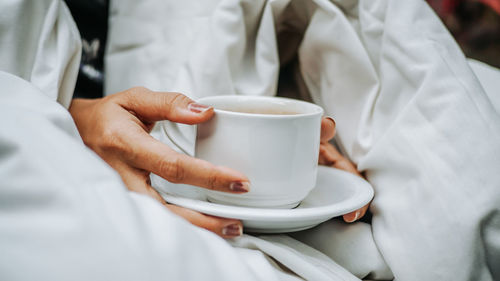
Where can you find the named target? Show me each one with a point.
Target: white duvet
(409, 111)
(65, 214)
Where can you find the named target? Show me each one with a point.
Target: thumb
(153, 106)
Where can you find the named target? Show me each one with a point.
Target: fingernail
(356, 216)
(239, 186)
(234, 229)
(331, 119)
(198, 108)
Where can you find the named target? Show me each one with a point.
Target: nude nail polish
(232, 230)
(331, 119)
(356, 216)
(198, 108)
(239, 186)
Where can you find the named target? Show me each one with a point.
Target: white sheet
(410, 112)
(489, 77)
(65, 214)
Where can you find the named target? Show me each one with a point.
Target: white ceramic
(336, 193)
(277, 152)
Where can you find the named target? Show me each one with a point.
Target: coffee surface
(271, 111)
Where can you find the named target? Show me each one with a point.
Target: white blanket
(65, 214)
(410, 112)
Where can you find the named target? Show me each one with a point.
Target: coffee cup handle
(177, 137)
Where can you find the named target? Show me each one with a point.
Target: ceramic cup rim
(311, 109)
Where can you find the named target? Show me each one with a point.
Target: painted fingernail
(239, 186)
(234, 229)
(331, 119)
(198, 108)
(356, 216)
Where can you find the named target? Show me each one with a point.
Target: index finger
(152, 155)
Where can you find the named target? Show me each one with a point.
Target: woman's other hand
(117, 128)
(330, 156)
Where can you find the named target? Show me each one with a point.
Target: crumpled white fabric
(489, 77)
(64, 213)
(295, 257)
(350, 245)
(40, 44)
(409, 110)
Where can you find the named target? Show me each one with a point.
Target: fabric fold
(410, 112)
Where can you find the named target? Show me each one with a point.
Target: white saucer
(336, 193)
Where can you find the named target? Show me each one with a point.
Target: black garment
(91, 17)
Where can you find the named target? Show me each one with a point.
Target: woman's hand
(117, 128)
(329, 156)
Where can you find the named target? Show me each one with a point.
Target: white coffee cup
(273, 141)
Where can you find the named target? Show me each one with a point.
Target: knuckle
(212, 181)
(127, 95)
(111, 140)
(138, 90)
(178, 97)
(174, 100)
(173, 171)
(134, 95)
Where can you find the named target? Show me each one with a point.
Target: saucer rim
(362, 195)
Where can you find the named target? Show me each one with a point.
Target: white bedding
(66, 215)
(410, 112)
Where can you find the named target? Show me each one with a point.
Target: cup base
(256, 204)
